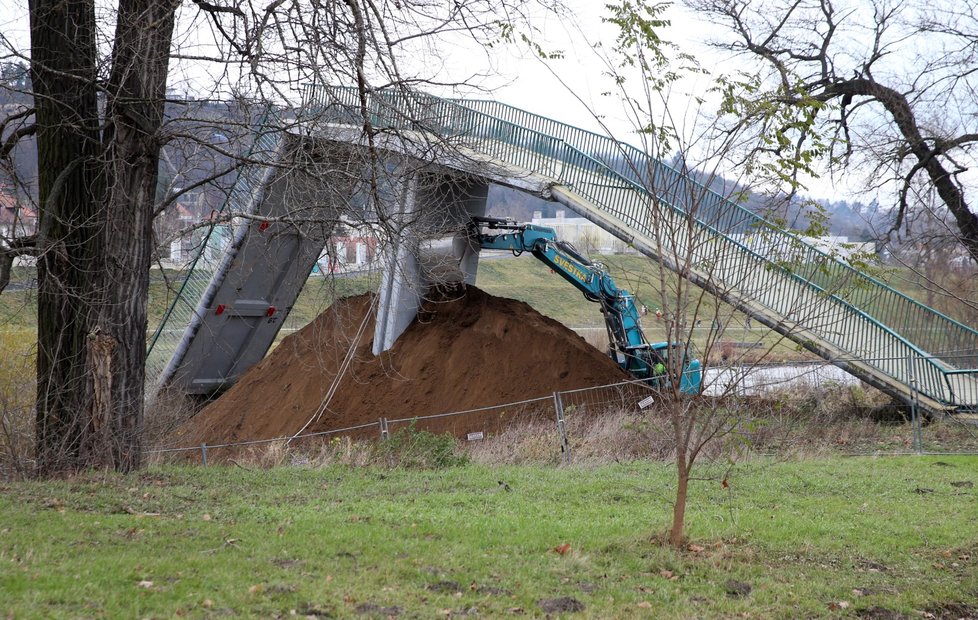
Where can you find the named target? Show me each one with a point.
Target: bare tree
(933, 262)
(713, 259)
(893, 83)
(99, 119)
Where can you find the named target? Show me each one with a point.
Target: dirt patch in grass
(737, 589)
(449, 587)
(953, 611)
(374, 610)
(462, 352)
(562, 605)
(880, 613)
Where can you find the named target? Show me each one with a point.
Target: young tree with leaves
(701, 275)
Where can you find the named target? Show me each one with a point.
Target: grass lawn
(880, 538)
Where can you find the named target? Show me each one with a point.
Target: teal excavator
(628, 346)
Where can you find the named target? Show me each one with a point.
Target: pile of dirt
(470, 351)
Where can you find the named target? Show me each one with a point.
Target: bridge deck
(827, 306)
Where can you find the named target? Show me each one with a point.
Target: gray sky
(567, 90)
(517, 79)
(553, 88)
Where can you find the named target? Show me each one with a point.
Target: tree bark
(136, 91)
(97, 186)
(677, 533)
(63, 65)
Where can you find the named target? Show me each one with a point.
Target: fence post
(384, 434)
(918, 440)
(203, 453)
(562, 429)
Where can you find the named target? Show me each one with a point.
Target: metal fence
(784, 411)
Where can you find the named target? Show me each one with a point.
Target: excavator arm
(629, 346)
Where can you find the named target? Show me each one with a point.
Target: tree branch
(19, 246)
(15, 137)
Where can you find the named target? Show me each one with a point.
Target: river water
(772, 377)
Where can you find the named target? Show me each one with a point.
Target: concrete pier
(428, 247)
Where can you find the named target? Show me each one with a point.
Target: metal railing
(853, 311)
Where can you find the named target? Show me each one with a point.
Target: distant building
(352, 247)
(771, 246)
(183, 227)
(16, 220)
(181, 248)
(584, 234)
(841, 247)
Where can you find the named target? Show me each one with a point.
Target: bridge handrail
(868, 283)
(621, 146)
(833, 297)
(769, 226)
(576, 149)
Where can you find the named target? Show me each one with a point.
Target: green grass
(528, 280)
(320, 292)
(17, 367)
(893, 533)
(18, 311)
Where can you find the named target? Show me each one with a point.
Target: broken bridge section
(285, 211)
(276, 239)
(824, 304)
(438, 156)
(429, 247)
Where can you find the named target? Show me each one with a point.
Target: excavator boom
(628, 344)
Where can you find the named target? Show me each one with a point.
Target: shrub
(410, 447)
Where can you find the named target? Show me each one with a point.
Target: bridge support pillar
(428, 248)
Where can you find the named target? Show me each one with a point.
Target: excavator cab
(668, 356)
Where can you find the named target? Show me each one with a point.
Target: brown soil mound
(472, 351)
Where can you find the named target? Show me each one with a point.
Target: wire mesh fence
(207, 452)
(770, 409)
(474, 424)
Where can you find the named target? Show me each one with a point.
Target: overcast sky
(567, 89)
(519, 79)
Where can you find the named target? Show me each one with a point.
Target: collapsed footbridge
(429, 166)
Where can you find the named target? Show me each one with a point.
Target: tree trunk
(677, 533)
(63, 62)
(97, 192)
(137, 87)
